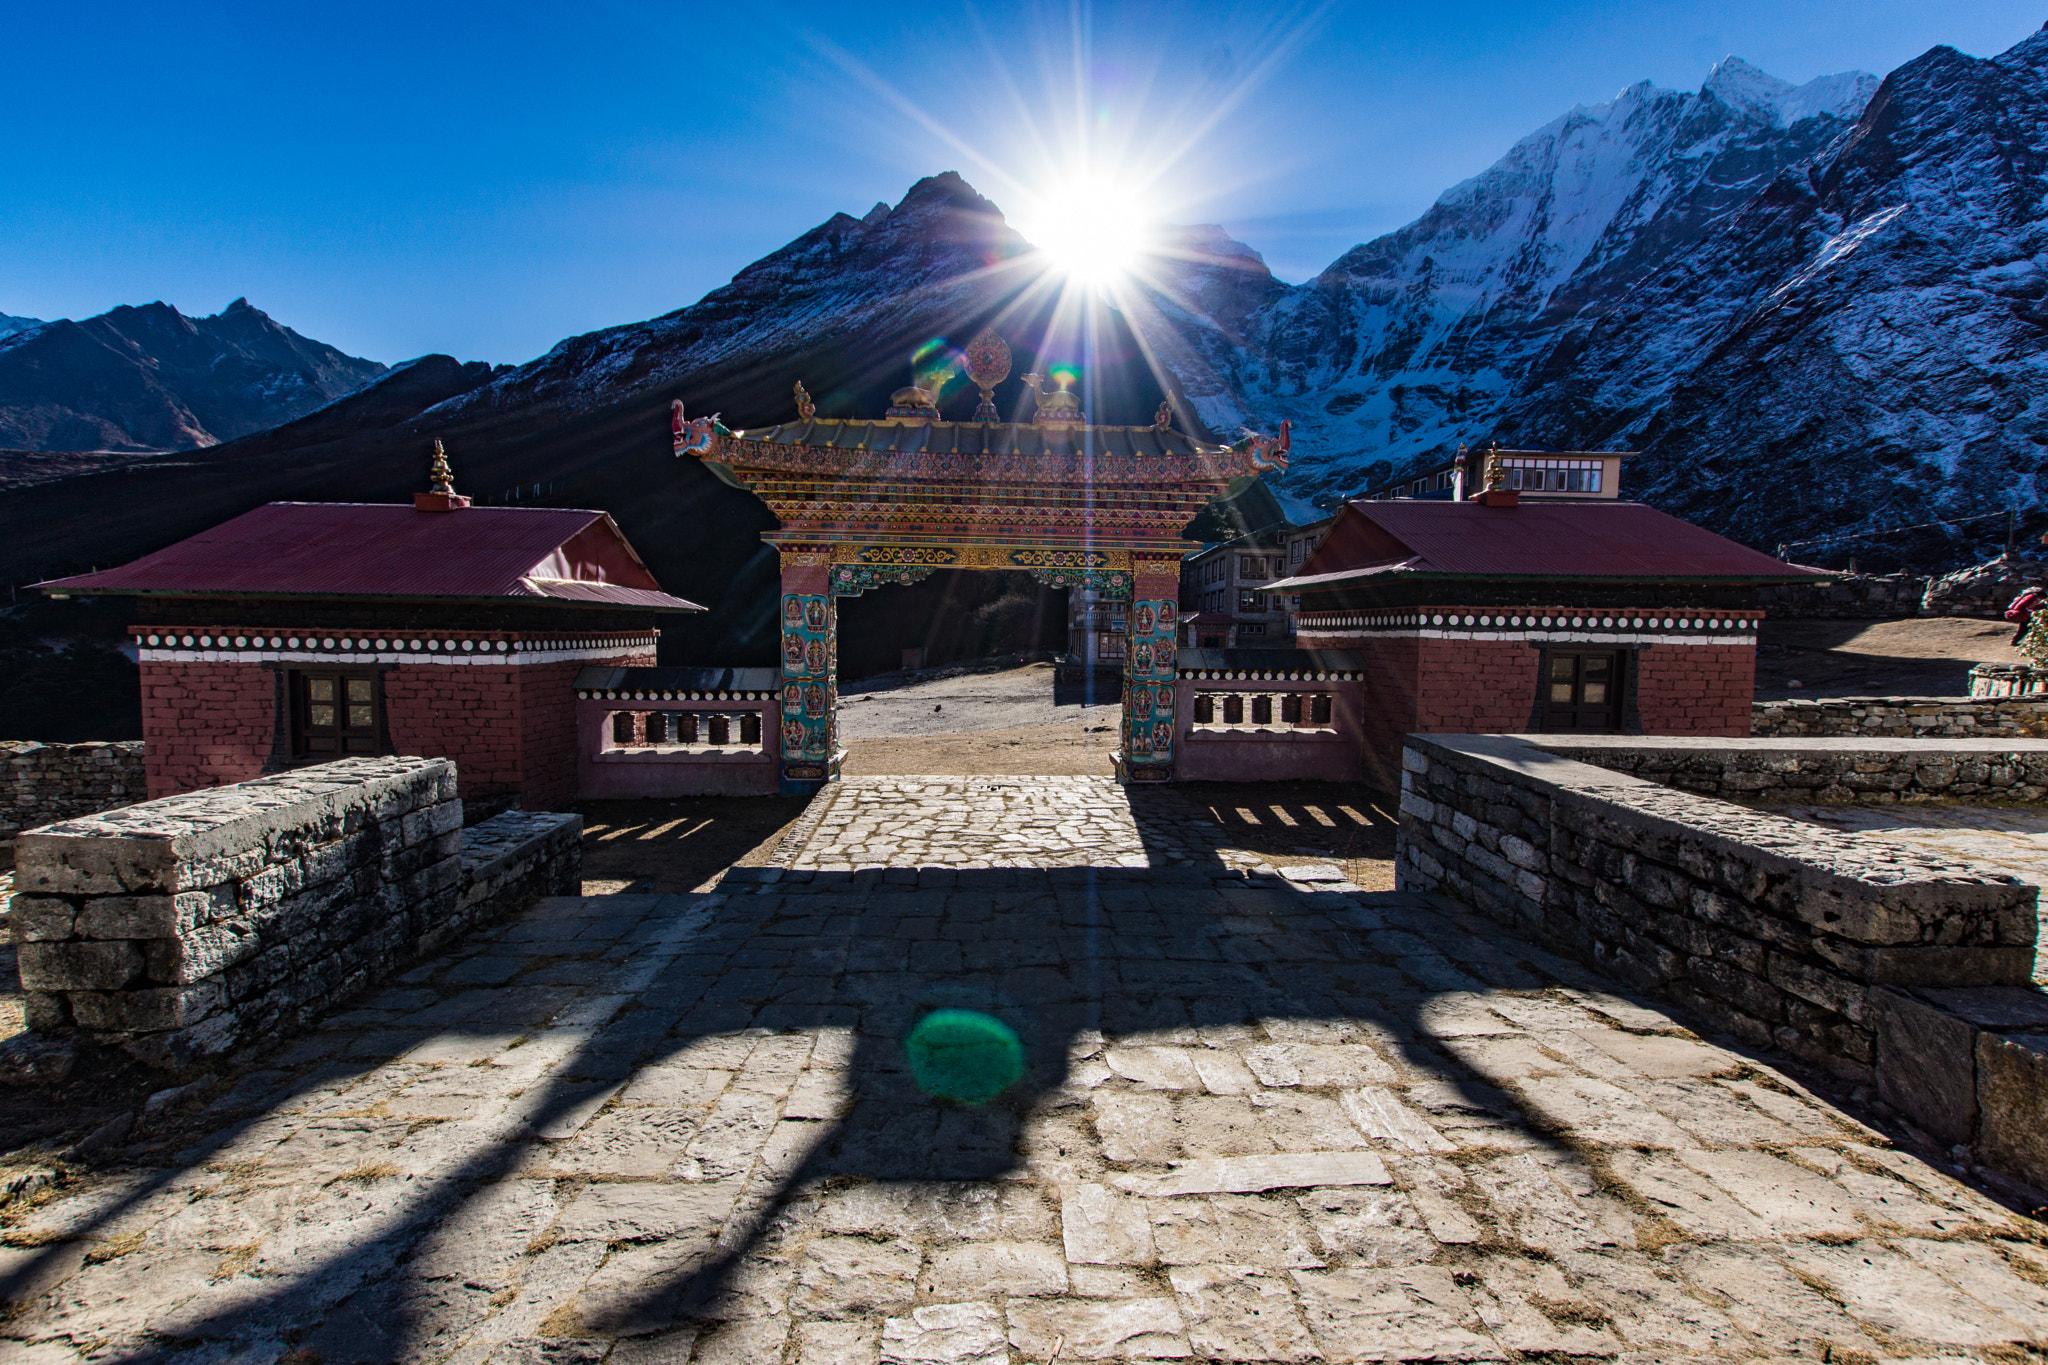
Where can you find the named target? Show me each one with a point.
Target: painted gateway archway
(891, 500)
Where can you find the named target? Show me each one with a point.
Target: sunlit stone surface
(1262, 1120)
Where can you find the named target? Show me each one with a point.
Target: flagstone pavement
(1265, 1117)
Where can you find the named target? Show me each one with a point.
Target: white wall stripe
(1624, 637)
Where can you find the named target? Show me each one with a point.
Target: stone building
(1500, 614)
(298, 633)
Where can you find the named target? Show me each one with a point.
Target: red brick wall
(205, 724)
(1392, 679)
(548, 732)
(509, 729)
(1695, 689)
(1476, 687)
(467, 712)
(1438, 686)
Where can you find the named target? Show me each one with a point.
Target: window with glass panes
(1554, 476)
(1582, 690)
(335, 713)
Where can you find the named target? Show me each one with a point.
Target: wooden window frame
(289, 738)
(1630, 668)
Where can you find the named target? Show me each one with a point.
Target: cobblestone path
(996, 822)
(1264, 1119)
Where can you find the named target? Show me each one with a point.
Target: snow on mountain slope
(1860, 344)
(9, 326)
(1411, 343)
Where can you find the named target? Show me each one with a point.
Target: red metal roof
(325, 549)
(1535, 539)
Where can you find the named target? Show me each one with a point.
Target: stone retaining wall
(1970, 1068)
(2008, 680)
(1774, 930)
(1848, 596)
(43, 783)
(1837, 772)
(1998, 715)
(185, 926)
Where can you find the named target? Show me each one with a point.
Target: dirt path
(1008, 722)
(1920, 657)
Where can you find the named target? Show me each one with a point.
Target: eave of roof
(908, 436)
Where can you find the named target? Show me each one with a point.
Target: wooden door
(1582, 690)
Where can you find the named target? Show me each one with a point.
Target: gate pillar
(810, 671)
(1146, 754)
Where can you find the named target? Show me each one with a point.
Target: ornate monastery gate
(866, 503)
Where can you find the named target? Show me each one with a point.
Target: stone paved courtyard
(1264, 1118)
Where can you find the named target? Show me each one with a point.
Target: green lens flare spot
(964, 1055)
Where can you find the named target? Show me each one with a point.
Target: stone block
(1926, 1064)
(35, 919)
(2002, 1009)
(2012, 1097)
(82, 864)
(178, 1049)
(150, 1010)
(114, 917)
(79, 966)
(200, 952)
(1959, 966)
(46, 1011)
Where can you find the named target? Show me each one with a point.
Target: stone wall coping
(1815, 855)
(490, 844)
(200, 825)
(1959, 702)
(1790, 744)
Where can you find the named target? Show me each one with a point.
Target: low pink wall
(604, 772)
(1278, 754)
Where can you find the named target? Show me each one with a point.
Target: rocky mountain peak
(150, 378)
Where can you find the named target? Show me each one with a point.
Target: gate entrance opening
(868, 502)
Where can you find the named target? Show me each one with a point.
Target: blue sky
(485, 180)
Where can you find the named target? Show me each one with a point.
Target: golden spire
(1496, 473)
(440, 478)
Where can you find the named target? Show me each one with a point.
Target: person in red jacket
(2021, 611)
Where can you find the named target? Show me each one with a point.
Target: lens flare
(964, 1055)
(1095, 232)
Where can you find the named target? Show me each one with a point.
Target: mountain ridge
(151, 378)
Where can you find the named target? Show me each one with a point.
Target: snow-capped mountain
(150, 378)
(1408, 344)
(10, 325)
(1813, 309)
(1859, 344)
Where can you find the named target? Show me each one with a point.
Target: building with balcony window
(1537, 473)
(1225, 597)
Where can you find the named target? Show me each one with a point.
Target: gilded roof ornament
(988, 364)
(1496, 472)
(440, 478)
(805, 408)
(913, 404)
(1056, 408)
(1162, 420)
